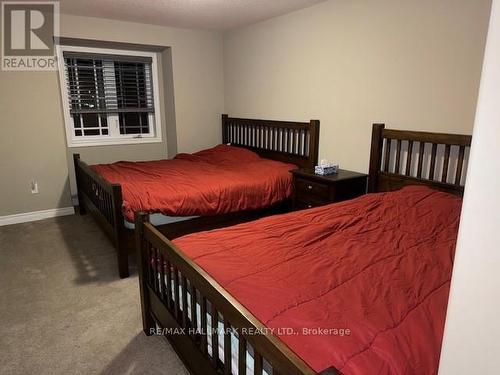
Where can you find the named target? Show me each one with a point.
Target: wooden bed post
(119, 231)
(142, 264)
(375, 156)
(314, 152)
(81, 206)
(225, 125)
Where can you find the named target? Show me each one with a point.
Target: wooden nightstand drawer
(311, 188)
(304, 201)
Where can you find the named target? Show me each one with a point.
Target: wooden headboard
(286, 141)
(399, 158)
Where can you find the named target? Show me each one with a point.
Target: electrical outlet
(34, 187)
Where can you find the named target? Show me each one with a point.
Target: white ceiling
(198, 14)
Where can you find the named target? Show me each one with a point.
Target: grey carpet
(63, 309)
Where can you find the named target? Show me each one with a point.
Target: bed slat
(227, 348)
(301, 143)
(193, 292)
(433, 161)
(155, 269)
(408, 159)
(177, 302)
(460, 165)
(446, 163)
(169, 286)
(271, 138)
(242, 355)
(258, 363)
(215, 337)
(398, 156)
(151, 276)
(163, 289)
(203, 319)
(185, 312)
(420, 159)
(387, 154)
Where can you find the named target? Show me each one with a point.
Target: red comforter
(378, 266)
(219, 180)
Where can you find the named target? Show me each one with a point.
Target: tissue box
(326, 169)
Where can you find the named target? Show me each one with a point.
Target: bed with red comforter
(215, 181)
(377, 267)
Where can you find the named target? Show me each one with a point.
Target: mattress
(160, 219)
(216, 181)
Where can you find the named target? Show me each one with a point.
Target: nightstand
(312, 190)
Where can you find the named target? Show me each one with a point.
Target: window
(109, 96)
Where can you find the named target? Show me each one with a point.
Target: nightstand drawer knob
(309, 187)
(309, 206)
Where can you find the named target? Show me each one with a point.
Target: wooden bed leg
(119, 231)
(81, 206)
(122, 253)
(148, 322)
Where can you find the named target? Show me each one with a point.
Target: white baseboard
(34, 216)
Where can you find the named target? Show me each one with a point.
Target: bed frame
(291, 142)
(163, 266)
(393, 168)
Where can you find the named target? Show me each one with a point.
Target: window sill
(113, 142)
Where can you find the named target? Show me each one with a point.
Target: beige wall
(350, 63)
(471, 344)
(32, 141)
(411, 64)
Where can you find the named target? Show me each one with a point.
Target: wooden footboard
(178, 294)
(104, 201)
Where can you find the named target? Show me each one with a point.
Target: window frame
(155, 135)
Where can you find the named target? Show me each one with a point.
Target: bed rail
(103, 200)
(286, 141)
(399, 158)
(171, 284)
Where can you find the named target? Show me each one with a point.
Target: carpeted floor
(63, 309)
